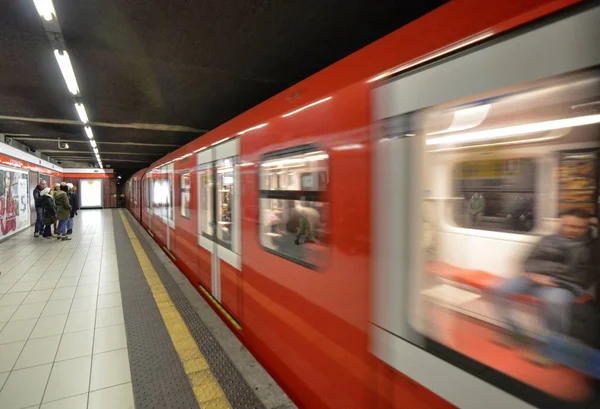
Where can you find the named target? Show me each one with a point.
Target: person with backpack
(48, 210)
(63, 210)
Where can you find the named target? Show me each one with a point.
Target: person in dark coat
(39, 225)
(559, 270)
(73, 201)
(48, 212)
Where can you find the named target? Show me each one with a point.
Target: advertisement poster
(14, 201)
(577, 175)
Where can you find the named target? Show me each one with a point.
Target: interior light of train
(487, 145)
(81, 112)
(516, 130)
(225, 170)
(433, 56)
(306, 107)
(88, 132)
(252, 128)
(301, 161)
(219, 141)
(466, 118)
(64, 63)
(93, 143)
(45, 9)
(349, 147)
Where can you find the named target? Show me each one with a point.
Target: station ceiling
(156, 74)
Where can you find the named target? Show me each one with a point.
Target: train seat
(480, 280)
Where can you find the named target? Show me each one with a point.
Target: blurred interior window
(185, 192)
(494, 165)
(294, 212)
(206, 209)
(225, 191)
(498, 194)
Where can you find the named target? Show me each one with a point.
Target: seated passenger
(558, 271)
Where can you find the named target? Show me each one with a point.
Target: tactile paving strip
(239, 394)
(158, 378)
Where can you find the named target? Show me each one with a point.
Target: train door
(219, 221)
(168, 187)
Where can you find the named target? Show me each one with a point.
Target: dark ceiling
(187, 64)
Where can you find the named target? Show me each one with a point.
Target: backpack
(49, 212)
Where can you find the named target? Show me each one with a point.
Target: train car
(352, 230)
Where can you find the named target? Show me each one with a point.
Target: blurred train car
(350, 229)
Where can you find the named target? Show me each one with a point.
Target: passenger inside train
(511, 182)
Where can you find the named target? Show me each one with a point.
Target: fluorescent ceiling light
(64, 62)
(306, 107)
(487, 145)
(93, 143)
(510, 131)
(81, 112)
(88, 132)
(45, 8)
(96, 151)
(252, 129)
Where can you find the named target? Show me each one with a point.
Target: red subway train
(351, 229)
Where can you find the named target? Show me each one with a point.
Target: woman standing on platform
(48, 212)
(74, 207)
(61, 198)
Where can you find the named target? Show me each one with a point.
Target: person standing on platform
(73, 201)
(61, 198)
(48, 212)
(37, 198)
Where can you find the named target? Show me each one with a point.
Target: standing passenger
(48, 212)
(61, 198)
(39, 225)
(74, 207)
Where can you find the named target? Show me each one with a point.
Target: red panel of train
(369, 238)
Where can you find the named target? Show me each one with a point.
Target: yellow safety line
(207, 390)
(220, 307)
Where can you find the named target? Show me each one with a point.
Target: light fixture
(252, 128)
(487, 145)
(516, 130)
(306, 107)
(45, 9)
(81, 112)
(466, 118)
(88, 132)
(93, 143)
(64, 62)
(96, 151)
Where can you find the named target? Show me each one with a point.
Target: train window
(185, 188)
(498, 194)
(507, 163)
(206, 209)
(149, 193)
(225, 191)
(294, 212)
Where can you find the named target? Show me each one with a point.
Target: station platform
(106, 321)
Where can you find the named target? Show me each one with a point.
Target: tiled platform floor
(62, 337)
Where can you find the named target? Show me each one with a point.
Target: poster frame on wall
(21, 211)
(80, 193)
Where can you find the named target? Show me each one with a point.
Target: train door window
(185, 192)
(149, 182)
(219, 201)
(206, 199)
(224, 200)
(294, 211)
(483, 181)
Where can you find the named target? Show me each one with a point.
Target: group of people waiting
(55, 210)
